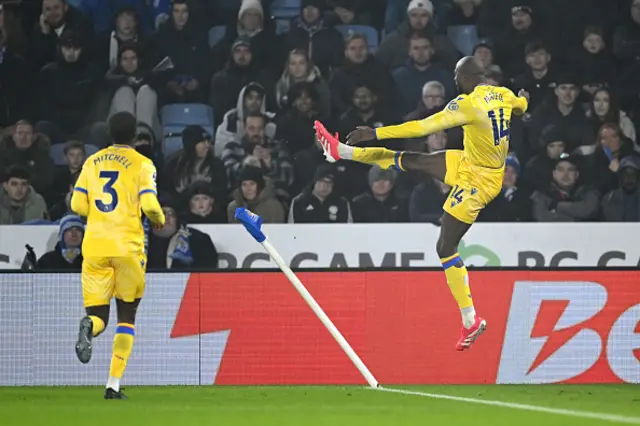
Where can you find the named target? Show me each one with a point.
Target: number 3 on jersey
(108, 189)
(501, 130)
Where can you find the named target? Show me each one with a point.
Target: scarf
(179, 248)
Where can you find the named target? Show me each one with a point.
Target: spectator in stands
(178, 247)
(12, 30)
(522, 31)
(626, 40)
(564, 112)
(126, 31)
(203, 206)
(433, 100)
(623, 204)
(67, 91)
(273, 155)
(254, 194)
(484, 51)
(318, 203)
(14, 73)
(564, 200)
(61, 206)
(360, 67)
(103, 13)
(427, 200)
(604, 108)
(145, 145)
(513, 204)
(603, 164)
(594, 61)
(380, 204)
(195, 162)
(67, 254)
(130, 87)
(295, 127)
(29, 150)
(298, 69)
(539, 170)
(310, 30)
(19, 202)
(251, 100)
(364, 111)
(186, 44)
(57, 17)
(419, 69)
(257, 30)
(539, 79)
(465, 12)
(350, 12)
(227, 84)
(75, 156)
(392, 51)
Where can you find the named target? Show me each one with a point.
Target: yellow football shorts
(472, 187)
(106, 277)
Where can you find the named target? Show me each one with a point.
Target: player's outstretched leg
(451, 233)
(122, 346)
(435, 165)
(91, 326)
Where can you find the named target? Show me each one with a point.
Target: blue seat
(285, 8)
(282, 25)
(463, 37)
(186, 115)
(216, 34)
(373, 39)
(56, 152)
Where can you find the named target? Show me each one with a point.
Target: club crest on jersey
(453, 106)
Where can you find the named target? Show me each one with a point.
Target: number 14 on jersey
(501, 127)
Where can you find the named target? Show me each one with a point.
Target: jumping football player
(115, 183)
(475, 174)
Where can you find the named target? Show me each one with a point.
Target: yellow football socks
(383, 157)
(458, 280)
(122, 346)
(98, 325)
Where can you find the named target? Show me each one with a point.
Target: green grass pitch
(311, 406)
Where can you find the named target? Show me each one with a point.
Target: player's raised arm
(148, 195)
(520, 103)
(80, 197)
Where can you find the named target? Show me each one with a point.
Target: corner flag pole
(253, 224)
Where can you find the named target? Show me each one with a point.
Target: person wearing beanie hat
(380, 204)
(419, 20)
(195, 162)
(319, 203)
(176, 246)
(565, 200)
(623, 204)
(250, 18)
(539, 168)
(254, 194)
(67, 254)
(203, 206)
(485, 52)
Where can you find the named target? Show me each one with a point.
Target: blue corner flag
(252, 223)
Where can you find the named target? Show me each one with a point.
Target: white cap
(421, 4)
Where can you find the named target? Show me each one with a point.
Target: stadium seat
(187, 114)
(57, 153)
(285, 8)
(463, 37)
(216, 34)
(369, 32)
(282, 25)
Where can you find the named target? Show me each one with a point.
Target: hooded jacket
(33, 207)
(232, 127)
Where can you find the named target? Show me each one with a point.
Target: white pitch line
(559, 411)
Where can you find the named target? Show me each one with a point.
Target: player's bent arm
(151, 207)
(80, 201)
(413, 129)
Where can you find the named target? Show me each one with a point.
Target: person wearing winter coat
(67, 254)
(254, 194)
(623, 204)
(203, 206)
(19, 202)
(298, 69)
(251, 100)
(380, 204)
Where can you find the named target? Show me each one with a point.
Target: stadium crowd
(226, 92)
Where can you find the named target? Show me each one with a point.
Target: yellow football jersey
(485, 116)
(114, 180)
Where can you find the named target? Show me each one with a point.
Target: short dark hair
(122, 128)
(255, 114)
(73, 144)
(175, 2)
(534, 46)
(17, 172)
(421, 36)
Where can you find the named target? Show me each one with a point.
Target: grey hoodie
(33, 208)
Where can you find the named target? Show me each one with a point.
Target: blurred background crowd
(226, 92)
